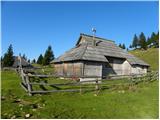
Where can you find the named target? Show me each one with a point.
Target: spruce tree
(153, 36)
(120, 45)
(135, 41)
(28, 60)
(33, 61)
(127, 49)
(48, 56)
(157, 39)
(130, 46)
(123, 46)
(1, 61)
(8, 59)
(24, 57)
(148, 41)
(40, 59)
(142, 41)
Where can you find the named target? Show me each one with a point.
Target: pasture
(140, 101)
(150, 56)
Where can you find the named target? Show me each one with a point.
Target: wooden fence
(27, 84)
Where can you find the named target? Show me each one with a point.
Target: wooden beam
(54, 84)
(42, 76)
(51, 91)
(28, 85)
(24, 87)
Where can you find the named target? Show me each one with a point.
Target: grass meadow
(121, 102)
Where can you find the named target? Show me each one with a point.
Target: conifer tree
(28, 60)
(127, 49)
(8, 59)
(120, 45)
(48, 56)
(130, 46)
(142, 41)
(24, 56)
(123, 46)
(153, 38)
(135, 41)
(157, 39)
(148, 41)
(40, 59)
(33, 61)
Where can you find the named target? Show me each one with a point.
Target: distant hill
(150, 56)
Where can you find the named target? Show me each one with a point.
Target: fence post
(157, 75)
(96, 87)
(150, 75)
(22, 77)
(28, 85)
(80, 90)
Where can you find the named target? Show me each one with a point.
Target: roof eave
(79, 39)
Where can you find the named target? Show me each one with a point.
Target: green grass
(140, 102)
(44, 69)
(151, 56)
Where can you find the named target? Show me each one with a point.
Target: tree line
(8, 59)
(143, 42)
(122, 46)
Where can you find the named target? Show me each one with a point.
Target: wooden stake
(28, 85)
(80, 90)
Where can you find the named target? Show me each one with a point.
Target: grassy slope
(141, 103)
(151, 56)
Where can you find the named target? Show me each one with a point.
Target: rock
(17, 101)
(20, 105)
(123, 91)
(27, 115)
(39, 106)
(3, 98)
(5, 114)
(33, 109)
(13, 117)
(34, 106)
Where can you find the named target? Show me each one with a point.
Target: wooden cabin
(24, 63)
(99, 57)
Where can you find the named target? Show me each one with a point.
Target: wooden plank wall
(69, 69)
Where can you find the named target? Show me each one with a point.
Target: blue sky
(31, 26)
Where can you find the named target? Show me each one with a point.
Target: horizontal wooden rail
(41, 76)
(50, 91)
(53, 84)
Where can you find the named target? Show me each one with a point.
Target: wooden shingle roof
(104, 48)
(24, 62)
